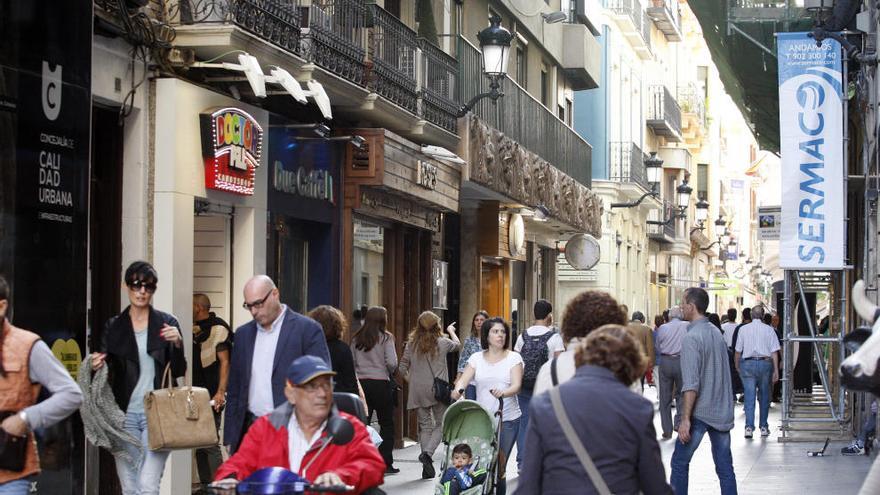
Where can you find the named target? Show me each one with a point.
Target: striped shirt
(669, 337)
(705, 369)
(757, 340)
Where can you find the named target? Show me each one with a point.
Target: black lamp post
(653, 171)
(495, 45)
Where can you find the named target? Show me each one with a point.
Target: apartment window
(702, 180)
(569, 108)
(545, 86)
(560, 111)
(521, 67)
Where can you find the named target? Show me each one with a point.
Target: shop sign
(315, 183)
(232, 142)
(426, 175)
(811, 100)
(67, 352)
(769, 222)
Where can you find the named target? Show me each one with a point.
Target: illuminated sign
(232, 142)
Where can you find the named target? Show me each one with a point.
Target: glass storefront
(368, 264)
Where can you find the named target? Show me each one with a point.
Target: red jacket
(358, 463)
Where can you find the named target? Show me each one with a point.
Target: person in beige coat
(424, 358)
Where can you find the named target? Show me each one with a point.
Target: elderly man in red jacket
(292, 435)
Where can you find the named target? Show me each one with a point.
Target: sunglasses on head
(137, 285)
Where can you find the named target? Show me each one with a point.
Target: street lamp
(495, 45)
(725, 238)
(684, 195)
(701, 215)
(653, 171)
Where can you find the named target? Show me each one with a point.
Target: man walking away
(757, 362)
(212, 344)
(737, 380)
(264, 348)
(645, 337)
(537, 344)
(707, 401)
(21, 415)
(728, 327)
(669, 337)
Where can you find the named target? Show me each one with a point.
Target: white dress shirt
(298, 444)
(757, 340)
(260, 398)
(727, 329)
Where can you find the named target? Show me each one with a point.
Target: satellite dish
(582, 252)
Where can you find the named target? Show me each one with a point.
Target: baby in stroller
(461, 476)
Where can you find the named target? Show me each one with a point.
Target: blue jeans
(470, 393)
(16, 487)
(681, 458)
(509, 432)
(143, 481)
(524, 398)
(756, 374)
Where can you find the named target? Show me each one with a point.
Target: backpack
(534, 353)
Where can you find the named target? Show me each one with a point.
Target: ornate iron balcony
(336, 38)
(440, 71)
(393, 50)
(627, 164)
(664, 114)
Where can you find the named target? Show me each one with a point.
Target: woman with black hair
(137, 346)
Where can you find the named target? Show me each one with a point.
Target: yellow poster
(67, 351)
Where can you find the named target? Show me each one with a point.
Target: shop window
(293, 267)
(367, 264)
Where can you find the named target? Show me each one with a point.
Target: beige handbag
(179, 418)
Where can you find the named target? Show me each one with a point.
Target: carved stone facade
(503, 165)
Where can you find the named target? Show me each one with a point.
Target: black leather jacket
(119, 343)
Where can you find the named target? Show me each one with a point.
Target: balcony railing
(337, 37)
(393, 53)
(666, 231)
(627, 164)
(523, 118)
(667, 17)
(276, 21)
(634, 24)
(664, 114)
(440, 71)
(691, 100)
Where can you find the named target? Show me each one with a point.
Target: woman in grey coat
(424, 358)
(615, 425)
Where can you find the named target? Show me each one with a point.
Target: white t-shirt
(727, 329)
(554, 344)
(495, 376)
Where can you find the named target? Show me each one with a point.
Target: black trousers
(379, 400)
(208, 459)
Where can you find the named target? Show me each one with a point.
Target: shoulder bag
(179, 418)
(441, 388)
(577, 445)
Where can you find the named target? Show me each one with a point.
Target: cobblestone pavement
(761, 465)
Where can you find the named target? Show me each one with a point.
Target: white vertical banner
(811, 98)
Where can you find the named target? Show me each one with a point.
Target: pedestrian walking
(212, 345)
(136, 346)
(26, 365)
(469, 346)
(536, 345)
(728, 327)
(645, 337)
(497, 371)
(757, 362)
(707, 401)
(375, 361)
(335, 327)
(424, 359)
(613, 425)
(669, 337)
(586, 312)
(264, 348)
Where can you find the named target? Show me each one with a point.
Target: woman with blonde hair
(375, 360)
(424, 359)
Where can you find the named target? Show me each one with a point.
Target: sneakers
(853, 449)
(427, 466)
(749, 431)
(765, 432)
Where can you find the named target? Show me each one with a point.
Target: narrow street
(761, 466)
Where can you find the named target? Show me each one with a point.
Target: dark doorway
(105, 243)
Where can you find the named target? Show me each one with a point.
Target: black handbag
(441, 388)
(12, 448)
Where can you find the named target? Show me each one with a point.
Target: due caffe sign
(314, 183)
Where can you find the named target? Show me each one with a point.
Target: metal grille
(523, 118)
(438, 87)
(627, 164)
(662, 106)
(393, 56)
(276, 21)
(661, 215)
(337, 37)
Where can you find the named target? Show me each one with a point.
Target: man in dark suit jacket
(264, 348)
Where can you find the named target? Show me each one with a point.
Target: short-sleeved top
(489, 376)
(728, 329)
(554, 345)
(757, 340)
(210, 336)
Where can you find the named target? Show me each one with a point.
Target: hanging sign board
(232, 142)
(768, 222)
(811, 142)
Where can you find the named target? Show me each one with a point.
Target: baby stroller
(467, 422)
